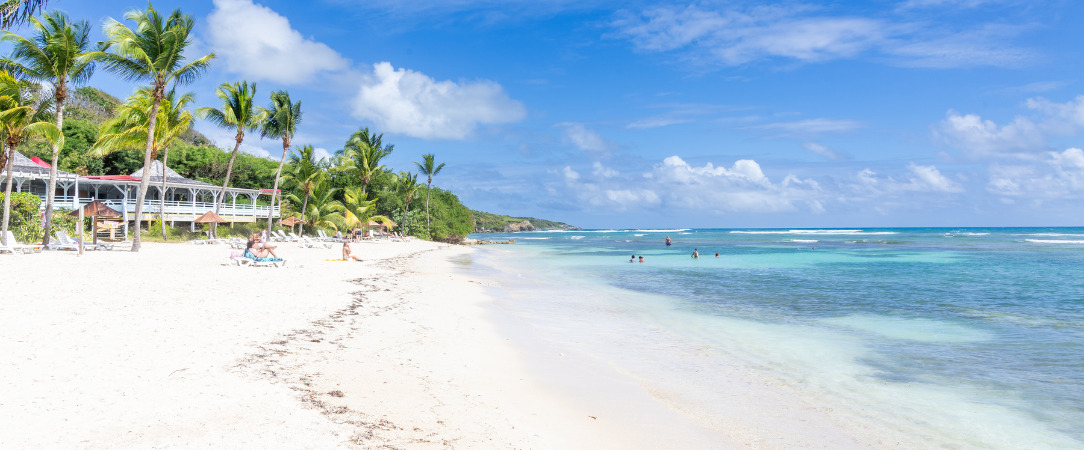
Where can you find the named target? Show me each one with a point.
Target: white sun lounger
(14, 245)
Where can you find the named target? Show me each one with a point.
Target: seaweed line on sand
(272, 360)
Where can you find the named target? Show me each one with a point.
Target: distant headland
(493, 223)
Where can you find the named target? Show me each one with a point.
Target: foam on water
(1054, 241)
(914, 329)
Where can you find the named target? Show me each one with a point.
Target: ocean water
(945, 338)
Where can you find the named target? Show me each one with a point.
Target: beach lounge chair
(310, 243)
(15, 246)
(256, 261)
(63, 242)
(294, 237)
(282, 235)
(9, 247)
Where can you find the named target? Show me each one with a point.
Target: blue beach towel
(249, 255)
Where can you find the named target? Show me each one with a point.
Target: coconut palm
(323, 210)
(281, 122)
(58, 53)
(153, 52)
(407, 185)
(15, 12)
(356, 207)
(363, 152)
(21, 115)
(306, 173)
(237, 112)
(128, 130)
(428, 168)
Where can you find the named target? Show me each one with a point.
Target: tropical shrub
(25, 216)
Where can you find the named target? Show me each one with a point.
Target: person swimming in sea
(668, 241)
(632, 259)
(696, 253)
(641, 260)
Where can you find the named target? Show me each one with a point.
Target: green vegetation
(103, 135)
(486, 223)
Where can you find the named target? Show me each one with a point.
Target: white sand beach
(169, 348)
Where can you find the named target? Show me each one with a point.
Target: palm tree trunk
(226, 183)
(278, 173)
(50, 196)
(145, 182)
(7, 193)
(304, 206)
(162, 201)
(427, 225)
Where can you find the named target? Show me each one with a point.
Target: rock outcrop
(516, 227)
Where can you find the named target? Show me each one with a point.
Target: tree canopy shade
(15, 12)
(58, 53)
(153, 52)
(282, 120)
(21, 114)
(238, 111)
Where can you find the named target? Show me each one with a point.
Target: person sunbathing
(347, 254)
(258, 250)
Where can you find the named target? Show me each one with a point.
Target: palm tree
(282, 123)
(427, 168)
(323, 210)
(364, 151)
(407, 185)
(16, 12)
(57, 54)
(153, 52)
(356, 206)
(21, 114)
(237, 111)
(306, 172)
(128, 129)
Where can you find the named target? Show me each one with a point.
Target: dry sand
(169, 348)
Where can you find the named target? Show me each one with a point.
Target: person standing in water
(696, 253)
(668, 241)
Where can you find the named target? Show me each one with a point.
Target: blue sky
(707, 114)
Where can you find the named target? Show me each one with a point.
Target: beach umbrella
(291, 221)
(210, 217)
(94, 210)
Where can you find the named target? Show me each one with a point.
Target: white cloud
(1060, 176)
(602, 171)
(919, 179)
(586, 139)
(411, 103)
(654, 122)
(569, 174)
(1024, 137)
(736, 35)
(822, 150)
(812, 126)
(321, 153)
(259, 44)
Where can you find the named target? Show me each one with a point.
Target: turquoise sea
(949, 338)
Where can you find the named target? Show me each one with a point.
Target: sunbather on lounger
(257, 248)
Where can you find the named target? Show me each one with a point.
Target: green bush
(25, 218)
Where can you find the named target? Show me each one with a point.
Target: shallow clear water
(956, 337)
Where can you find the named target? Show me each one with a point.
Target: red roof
(113, 178)
(39, 162)
(268, 191)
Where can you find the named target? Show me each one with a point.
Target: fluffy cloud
(1024, 137)
(411, 103)
(259, 44)
(918, 179)
(1059, 176)
(740, 35)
